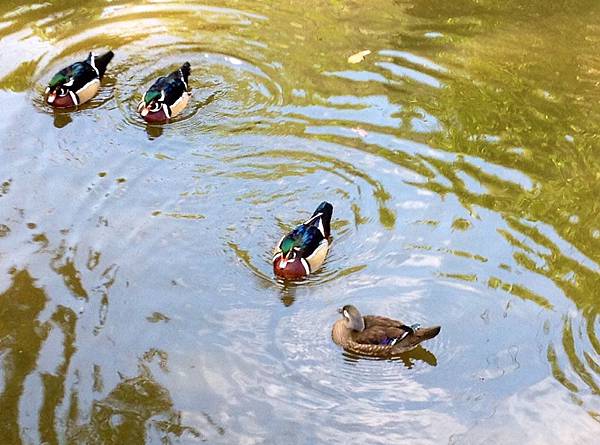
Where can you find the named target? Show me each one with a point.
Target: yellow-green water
(137, 302)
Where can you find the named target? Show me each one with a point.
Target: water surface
(137, 302)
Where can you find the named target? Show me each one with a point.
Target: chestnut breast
(290, 269)
(63, 101)
(156, 117)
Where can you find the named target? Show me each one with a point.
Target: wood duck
(303, 250)
(167, 97)
(78, 82)
(377, 336)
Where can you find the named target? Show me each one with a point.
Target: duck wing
(410, 335)
(381, 335)
(413, 339)
(306, 239)
(384, 336)
(311, 239)
(376, 320)
(175, 84)
(375, 341)
(321, 218)
(75, 76)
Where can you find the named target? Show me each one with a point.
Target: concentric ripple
(229, 89)
(137, 297)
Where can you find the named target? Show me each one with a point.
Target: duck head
(153, 107)
(288, 262)
(354, 319)
(59, 94)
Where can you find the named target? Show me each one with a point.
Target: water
(137, 302)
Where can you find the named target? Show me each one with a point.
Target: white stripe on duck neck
(74, 98)
(165, 108)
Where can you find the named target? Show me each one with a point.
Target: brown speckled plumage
(367, 335)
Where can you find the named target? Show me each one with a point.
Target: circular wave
(229, 88)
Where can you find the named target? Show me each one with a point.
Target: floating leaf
(358, 57)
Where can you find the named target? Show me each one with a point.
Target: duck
(303, 250)
(167, 97)
(376, 336)
(77, 83)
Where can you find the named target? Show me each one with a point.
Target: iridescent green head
(57, 79)
(287, 245)
(151, 96)
(151, 103)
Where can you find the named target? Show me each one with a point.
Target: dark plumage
(303, 250)
(377, 336)
(78, 82)
(167, 97)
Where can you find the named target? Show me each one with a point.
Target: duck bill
(51, 98)
(285, 259)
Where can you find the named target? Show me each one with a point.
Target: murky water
(137, 302)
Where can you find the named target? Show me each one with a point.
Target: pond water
(137, 299)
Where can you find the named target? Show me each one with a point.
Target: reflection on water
(126, 415)
(138, 302)
(408, 359)
(135, 407)
(22, 336)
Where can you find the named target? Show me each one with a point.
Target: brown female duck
(377, 336)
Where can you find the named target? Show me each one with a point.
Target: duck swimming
(303, 250)
(377, 336)
(78, 82)
(167, 97)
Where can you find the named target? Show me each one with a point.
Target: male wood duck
(167, 97)
(377, 336)
(303, 250)
(78, 82)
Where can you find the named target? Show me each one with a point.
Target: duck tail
(326, 211)
(416, 337)
(103, 61)
(186, 69)
(427, 333)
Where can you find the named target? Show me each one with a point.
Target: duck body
(377, 336)
(303, 250)
(77, 83)
(167, 97)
